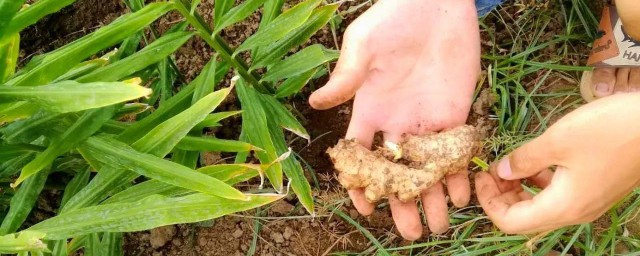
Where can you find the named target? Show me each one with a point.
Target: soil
(284, 227)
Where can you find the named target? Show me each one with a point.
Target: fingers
(363, 133)
(348, 76)
(406, 217)
(435, 208)
(459, 188)
(530, 159)
(515, 213)
(360, 202)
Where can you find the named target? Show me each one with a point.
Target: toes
(634, 80)
(406, 217)
(603, 81)
(622, 80)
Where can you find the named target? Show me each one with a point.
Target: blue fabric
(486, 6)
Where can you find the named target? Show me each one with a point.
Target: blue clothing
(486, 6)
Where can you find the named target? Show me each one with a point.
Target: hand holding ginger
(430, 156)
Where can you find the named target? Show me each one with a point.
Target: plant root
(423, 161)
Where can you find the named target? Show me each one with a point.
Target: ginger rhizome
(415, 165)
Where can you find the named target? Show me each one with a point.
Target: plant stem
(219, 45)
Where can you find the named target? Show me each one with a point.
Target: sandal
(614, 49)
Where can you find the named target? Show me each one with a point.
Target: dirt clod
(160, 236)
(277, 237)
(282, 207)
(425, 159)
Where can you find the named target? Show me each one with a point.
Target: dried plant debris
(408, 168)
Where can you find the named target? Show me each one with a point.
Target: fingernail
(602, 87)
(504, 168)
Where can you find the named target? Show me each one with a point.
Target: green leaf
(280, 26)
(228, 173)
(89, 123)
(115, 153)
(155, 52)
(154, 211)
(238, 13)
(221, 7)
(83, 69)
(176, 104)
(8, 152)
(9, 53)
(294, 84)
(32, 14)
(22, 203)
(70, 96)
(60, 248)
(9, 168)
(27, 130)
(305, 60)
(165, 136)
(79, 181)
(8, 9)
(254, 125)
(112, 244)
(192, 143)
(282, 117)
(292, 169)
(23, 241)
(271, 10)
(92, 245)
(48, 67)
(276, 50)
(211, 76)
(214, 119)
(10, 112)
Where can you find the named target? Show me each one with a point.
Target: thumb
(346, 79)
(528, 160)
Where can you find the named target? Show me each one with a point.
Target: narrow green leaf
(211, 76)
(192, 143)
(282, 117)
(8, 152)
(294, 84)
(128, 47)
(111, 244)
(118, 154)
(173, 106)
(238, 13)
(165, 136)
(228, 173)
(305, 60)
(92, 245)
(89, 123)
(48, 67)
(60, 248)
(154, 211)
(9, 168)
(214, 119)
(271, 10)
(30, 15)
(64, 96)
(292, 168)
(280, 26)
(155, 52)
(9, 53)
(10, 112)
(79, 181)
(220, 8)
(22, 203)
(27, 130)
(276, 50)
(83, 69)
(254, 125)
(23, 241)
(131, 109)
(8, 9)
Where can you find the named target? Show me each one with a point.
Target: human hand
(596, 153)
(412, 66)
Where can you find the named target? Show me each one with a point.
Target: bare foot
(603, 82)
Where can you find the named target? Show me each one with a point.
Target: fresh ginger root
(430, 157)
